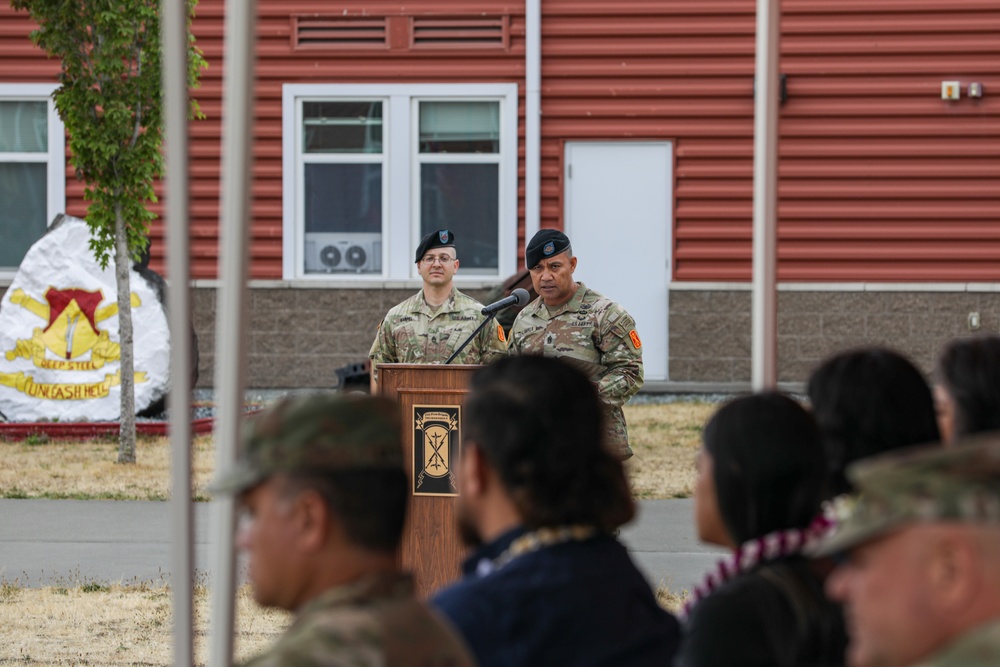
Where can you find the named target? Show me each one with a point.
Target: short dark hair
(768, 464)
(540, 425)
(369, 502)
(969, 370)
(866, 401)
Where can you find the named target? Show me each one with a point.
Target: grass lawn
(664, 437)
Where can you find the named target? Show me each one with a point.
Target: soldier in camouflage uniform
(920, 580)
(571, 321)
(323, 493)
(428, 327)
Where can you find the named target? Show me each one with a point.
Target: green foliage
(94, 587)
(110, 102)
(35, 439)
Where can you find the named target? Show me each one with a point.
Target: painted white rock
(59, 341)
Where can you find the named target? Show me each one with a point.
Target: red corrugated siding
(279, 64)
(880, 179)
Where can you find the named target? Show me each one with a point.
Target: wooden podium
(430, 396)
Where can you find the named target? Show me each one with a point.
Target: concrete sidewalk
(63, 542)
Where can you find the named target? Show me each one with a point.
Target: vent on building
(348, 32)
(481, 32)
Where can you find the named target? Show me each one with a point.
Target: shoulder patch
(635, 339)
(500, 336)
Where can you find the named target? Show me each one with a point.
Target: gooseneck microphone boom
(518, 297)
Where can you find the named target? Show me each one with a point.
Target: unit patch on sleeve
(500, 336)
(635, 339)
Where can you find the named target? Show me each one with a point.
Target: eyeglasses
(430, 259)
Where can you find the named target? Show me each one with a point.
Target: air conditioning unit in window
(330, 252)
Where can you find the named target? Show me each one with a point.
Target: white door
(618, 208)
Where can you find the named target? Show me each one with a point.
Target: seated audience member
(919, 575)
(323, 492)
(868, 401)
(967, 387)
(759, 487)
(541, 496)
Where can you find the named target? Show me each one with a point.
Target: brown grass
(116, 625)
(665, 439)
(132, 625)
(87, 469)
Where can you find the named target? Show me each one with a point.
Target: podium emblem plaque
(436, 444)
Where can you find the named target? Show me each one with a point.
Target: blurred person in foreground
(540, 498)
(868, 401)
(967, 387)
(758, 493)
(323, 493)
(920, 558)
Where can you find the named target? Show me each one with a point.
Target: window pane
(465, 199)
(343, 210)
(23, 191)
(459, 127)
(342, 127)
(24, 127)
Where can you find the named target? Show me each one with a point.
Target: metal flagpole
(764, 342)
(230, 352)
(175, 110)
(532, 117)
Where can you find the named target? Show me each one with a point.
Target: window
(370, 169)
(32, 169)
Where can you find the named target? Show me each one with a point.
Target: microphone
(518, 297)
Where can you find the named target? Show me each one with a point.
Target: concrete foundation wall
(299, 337)
(710, 330)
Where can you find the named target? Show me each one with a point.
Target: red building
(377, 121)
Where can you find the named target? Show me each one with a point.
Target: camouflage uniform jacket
(413, 333)
(598, 336)
(373, 622)
(978, 648)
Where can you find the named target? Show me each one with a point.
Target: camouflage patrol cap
(442, 238)
(545, 243)
(316, 433)
(922, 484)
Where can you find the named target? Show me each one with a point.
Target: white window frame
(55, 157)
(401, 167)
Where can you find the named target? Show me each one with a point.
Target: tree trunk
(123, 268)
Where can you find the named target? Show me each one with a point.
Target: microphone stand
(474, 334)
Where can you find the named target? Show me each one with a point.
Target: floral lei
(779, 544)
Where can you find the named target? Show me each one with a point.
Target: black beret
(442, 238)
(546, 243)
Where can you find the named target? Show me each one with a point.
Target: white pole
(764, 343)
(175, 112)
(230, 351)
(532, 117)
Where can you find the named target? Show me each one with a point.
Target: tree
(110, 102)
